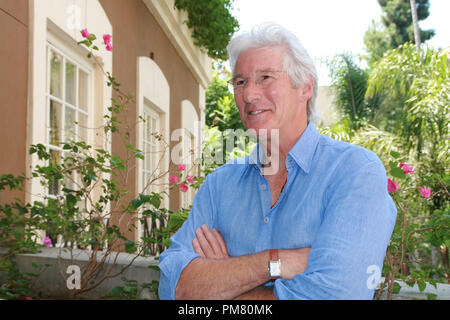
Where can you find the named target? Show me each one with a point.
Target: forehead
(257, 59)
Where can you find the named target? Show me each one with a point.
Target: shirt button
(266, 219)
(263, 187)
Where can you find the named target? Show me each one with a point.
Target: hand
(210, 244)
(293, 262)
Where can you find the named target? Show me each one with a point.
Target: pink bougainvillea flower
(425, 192)
(189, 179)
(181, 167)
(173, 179)
(47, 242)
(109, 47)
(406, 168)
(392, 186)
(107, 39)
(183, 187)
(85, 33)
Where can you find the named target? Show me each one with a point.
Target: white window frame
(49, 23)
(81, 63)
(153, 93)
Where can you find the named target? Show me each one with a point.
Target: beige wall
(13, 89)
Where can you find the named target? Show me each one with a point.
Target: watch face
(275, 270)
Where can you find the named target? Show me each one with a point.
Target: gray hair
(297, 63)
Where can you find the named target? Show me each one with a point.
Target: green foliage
(397, 19)
(376, 42)
(212, 24)
(409, 126)
(414, 231)
(422, 84)
(131, 290)
(220, 106)
(350, 81)
(396, 28)
(223, 123)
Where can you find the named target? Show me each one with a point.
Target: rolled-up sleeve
(181, 253)
(349, 248)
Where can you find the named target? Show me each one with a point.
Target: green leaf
(395, 154)
(431, 296)
(71, 200)
(397, 288)
(144, 198)
(135, 204)
(130, 246)
(155, 201)
(397, 173)
(422, 285)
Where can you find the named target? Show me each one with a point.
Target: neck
(276, 147)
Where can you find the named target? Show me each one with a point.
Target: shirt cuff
(171, 267)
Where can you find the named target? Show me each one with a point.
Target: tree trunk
(415, 23)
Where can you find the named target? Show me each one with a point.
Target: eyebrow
(261, 70)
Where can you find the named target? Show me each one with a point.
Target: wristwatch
(274, 264)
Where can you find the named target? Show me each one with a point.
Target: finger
(222, 242)
(213, 241)
(204, 244)
(197, 247)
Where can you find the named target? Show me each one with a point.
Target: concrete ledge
(410, 293)
(53, 282)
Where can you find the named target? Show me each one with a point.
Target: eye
(265, 78)
(239, 82)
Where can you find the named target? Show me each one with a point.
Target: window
(63, 102)
(67, 93)
(67, 114)
(151, 168)
(153, 106)
(152, 152)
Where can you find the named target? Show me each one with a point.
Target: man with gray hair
(303, 217)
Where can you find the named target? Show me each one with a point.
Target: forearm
(259, 293)
(228, 278)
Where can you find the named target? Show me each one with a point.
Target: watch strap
(274, 259)
(273, 253)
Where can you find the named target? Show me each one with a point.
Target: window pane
(55, 123)
(155, 155)
(53, 185)
(82, 126)
(55, 74)
(148, 157)
(70, 83)
(154, 128)
(69, 124)
(83, 90)
(69, 181)
(146, 129)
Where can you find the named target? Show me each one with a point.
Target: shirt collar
(302, 152)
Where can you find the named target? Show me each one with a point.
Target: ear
(308, 89)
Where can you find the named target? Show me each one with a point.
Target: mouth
(256, 112)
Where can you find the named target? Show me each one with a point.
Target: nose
(251, 92)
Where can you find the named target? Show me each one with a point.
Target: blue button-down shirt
(335, 201)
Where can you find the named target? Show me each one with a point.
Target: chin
(258, 131)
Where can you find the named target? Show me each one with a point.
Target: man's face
(276, 105)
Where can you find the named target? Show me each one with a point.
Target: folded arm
(216, 275)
